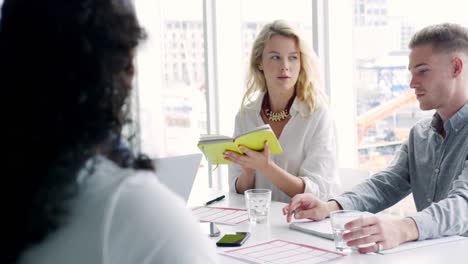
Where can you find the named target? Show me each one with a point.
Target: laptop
(178, 172)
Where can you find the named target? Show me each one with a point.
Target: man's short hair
(446, 37)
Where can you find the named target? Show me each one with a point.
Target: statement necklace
(276, 116)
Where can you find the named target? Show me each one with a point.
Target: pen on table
(292, 215)
(215, 200)
(293, 212)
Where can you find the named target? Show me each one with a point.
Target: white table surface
(277, 228)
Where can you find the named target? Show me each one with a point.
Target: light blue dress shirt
(434, 169)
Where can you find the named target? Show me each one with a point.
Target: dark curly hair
(66, 67)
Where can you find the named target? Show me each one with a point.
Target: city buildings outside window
(171, 95)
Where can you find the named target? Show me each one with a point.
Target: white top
(124, 216)
(309, 149)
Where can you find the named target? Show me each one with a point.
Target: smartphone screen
(233, 240)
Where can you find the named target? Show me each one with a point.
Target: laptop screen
(178, 172)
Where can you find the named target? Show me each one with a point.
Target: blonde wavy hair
(308, 85)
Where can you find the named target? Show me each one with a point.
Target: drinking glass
(258, 203)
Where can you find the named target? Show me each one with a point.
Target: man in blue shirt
(432, 164)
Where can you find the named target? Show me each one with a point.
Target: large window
(257, 13)
(386, 107)
(191, 71)
(170, 96)
(171, 77)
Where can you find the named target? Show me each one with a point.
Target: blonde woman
(283, 90)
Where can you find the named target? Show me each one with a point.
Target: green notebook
(213, 146)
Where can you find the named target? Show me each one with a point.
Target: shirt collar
(456, 122)
(437, 124)
(460, 118)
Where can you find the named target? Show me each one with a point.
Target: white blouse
(309, 149)
(124, 216)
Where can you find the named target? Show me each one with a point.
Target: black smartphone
(233, 240)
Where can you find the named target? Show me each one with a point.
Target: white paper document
(318, 228)
(282, 252)
(219, 215)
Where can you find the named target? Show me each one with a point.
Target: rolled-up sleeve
(383, 189)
